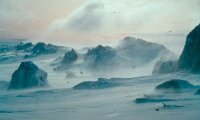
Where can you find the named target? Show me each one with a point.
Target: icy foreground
(28, 75)
(112, 103)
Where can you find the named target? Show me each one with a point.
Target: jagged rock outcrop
(42, 48)
(165, 67)
(174, 86)
(37, 47)
(70, 57)
(28, 75)
(190, 58)
(23, 46)
(97, 50)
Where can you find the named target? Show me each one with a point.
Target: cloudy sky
(92, 22)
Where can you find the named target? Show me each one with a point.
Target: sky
(92, 22)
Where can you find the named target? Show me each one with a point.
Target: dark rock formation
(37, 47)
(174, 86)
(23, 46)
(190, 58)
(28, 75)
(97, 51)
(70, 57)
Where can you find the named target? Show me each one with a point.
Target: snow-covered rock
(28, 75)
(23, 46)
(174, 86)
(103, 60)
(92, 85)
(165, 67)
(190, 58)
(141, 51)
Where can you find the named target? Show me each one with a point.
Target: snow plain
(61, 102)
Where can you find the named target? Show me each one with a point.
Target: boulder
(28, 75)
(174, 86)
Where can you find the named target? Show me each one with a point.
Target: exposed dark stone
(37, 47)
(23, 46)
(174, 86)
(190, 58)
(28, 75)
(70, 56)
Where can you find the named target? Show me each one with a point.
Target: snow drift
(28, 75)
(93, 85)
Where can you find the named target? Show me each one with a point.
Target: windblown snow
(103, 83)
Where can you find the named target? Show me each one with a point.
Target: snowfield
(130, 94)
(127, 98)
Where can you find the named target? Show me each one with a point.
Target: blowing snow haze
(91, 22)
(99, 59)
